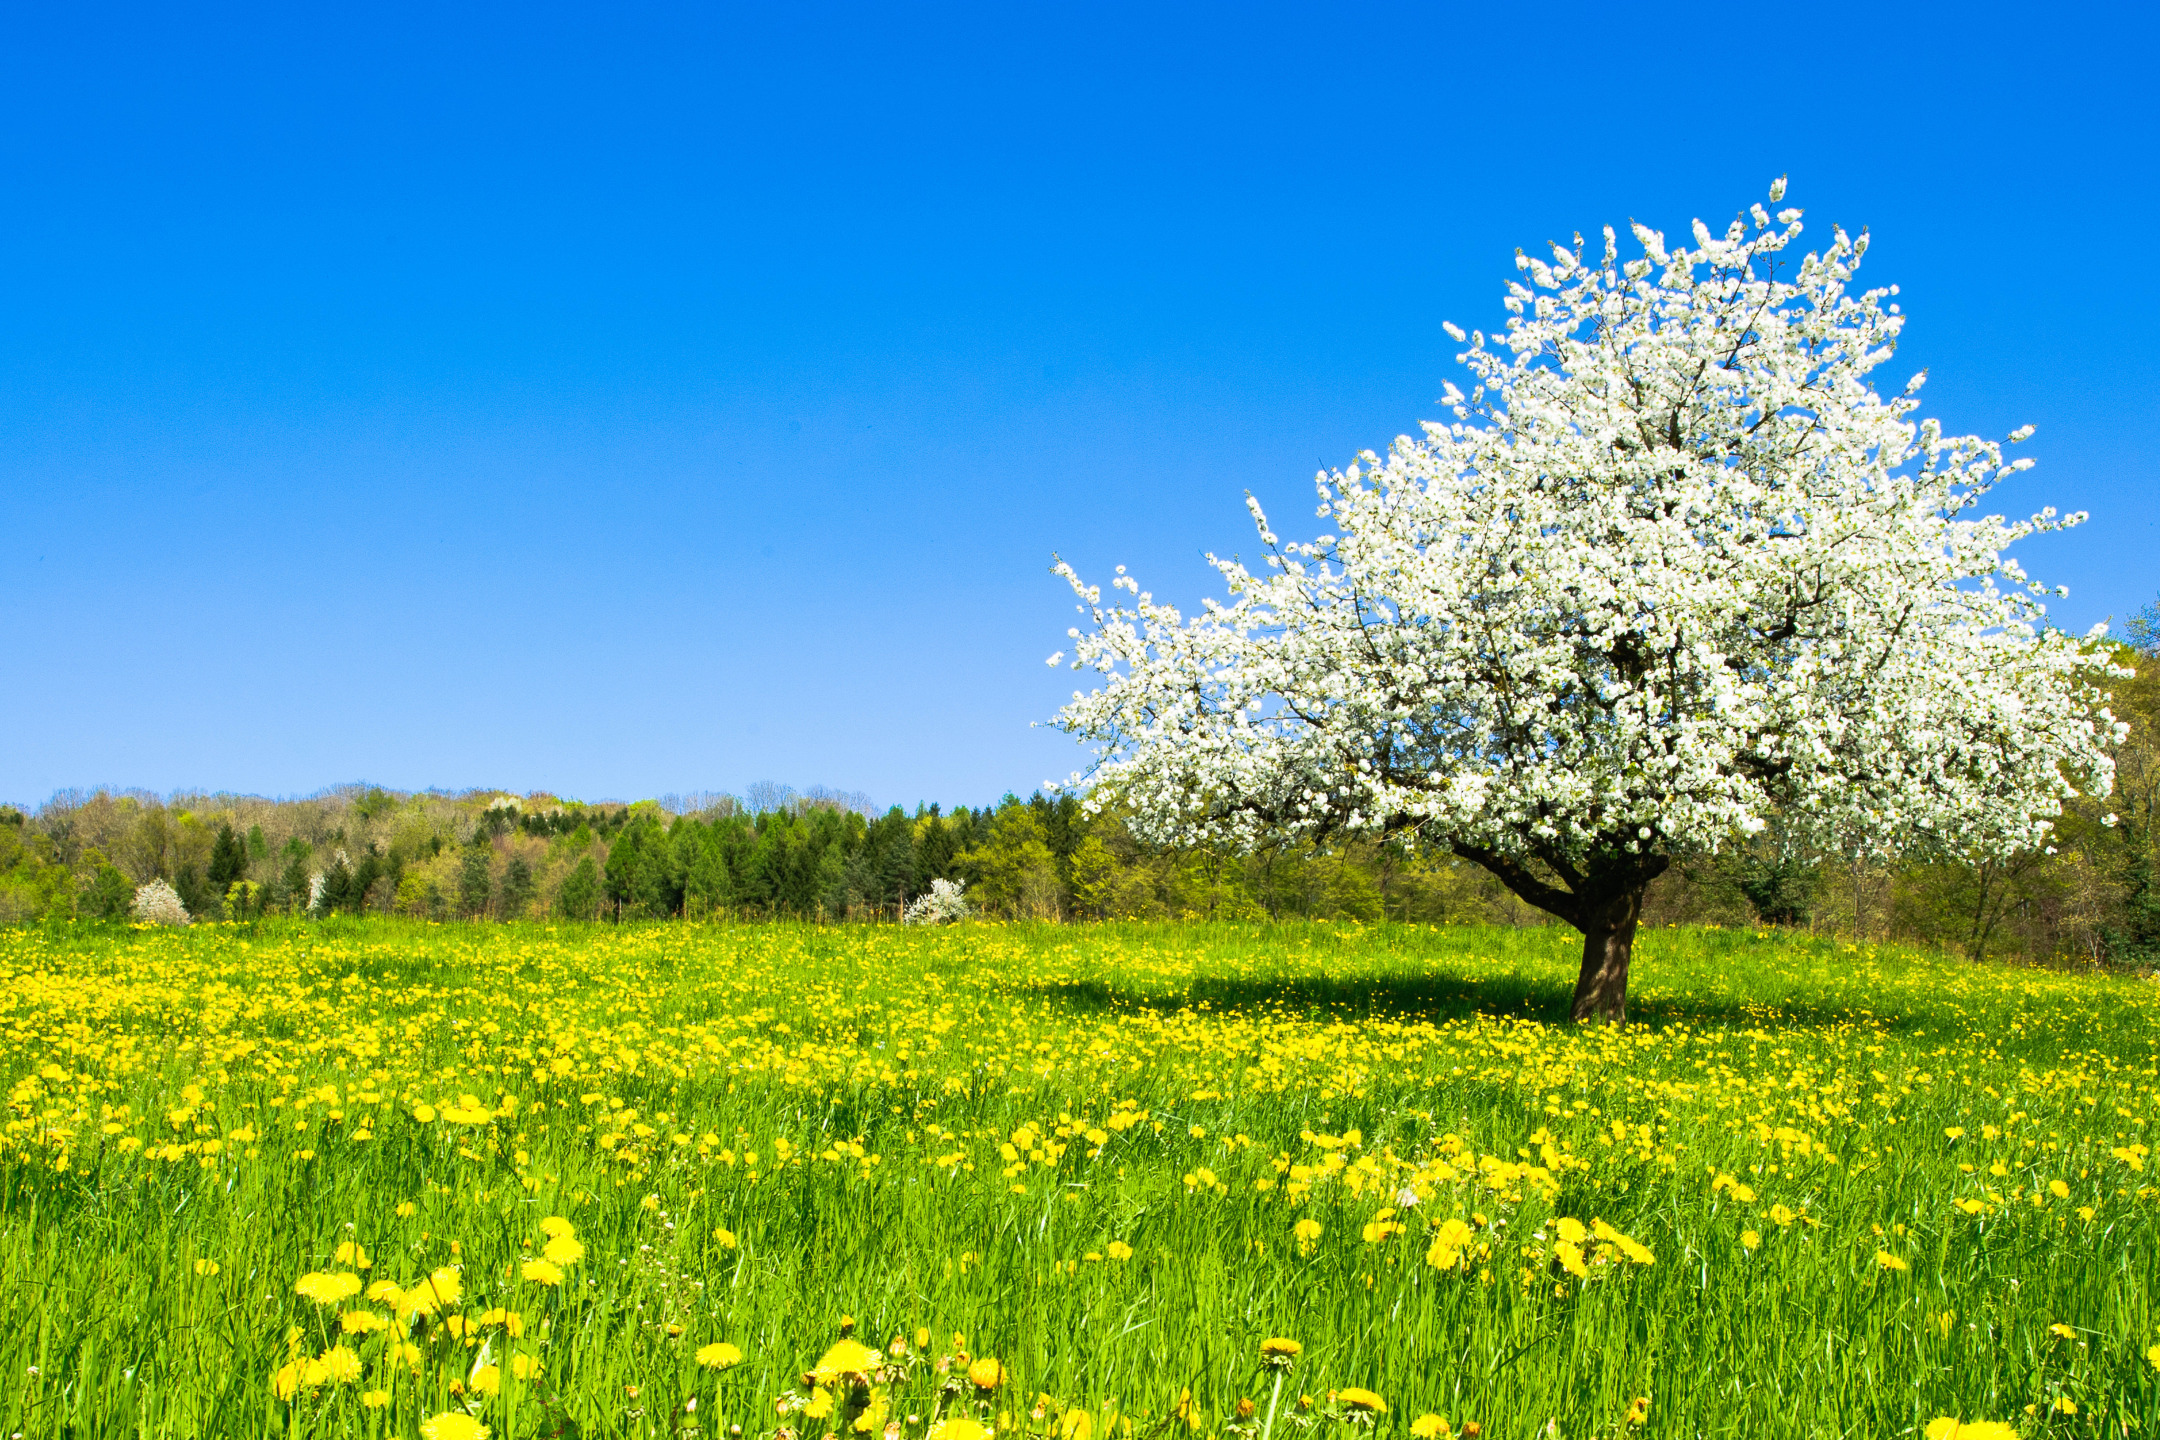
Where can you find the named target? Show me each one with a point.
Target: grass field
(654, 1173)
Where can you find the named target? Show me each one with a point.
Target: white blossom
(1672, 565)
(157, 903)
(945, 903)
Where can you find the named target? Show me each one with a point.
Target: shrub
(157, 903)
(945, 903)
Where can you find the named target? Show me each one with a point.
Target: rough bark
(1608, 942)
(1603, 898)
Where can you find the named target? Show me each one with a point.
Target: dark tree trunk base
(1608, 943)
(1603, 900)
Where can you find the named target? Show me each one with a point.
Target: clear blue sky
(625, 399)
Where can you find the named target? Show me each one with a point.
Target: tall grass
(1786, 1122)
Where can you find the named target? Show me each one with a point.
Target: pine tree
(473, 882)
(517, 888)
(579, 897)
(228, 861)
(110, 894)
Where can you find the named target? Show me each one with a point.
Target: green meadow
(391, 1178)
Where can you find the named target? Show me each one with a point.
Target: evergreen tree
(257, 847)
(517, 888)
(579, 897)
(365, 874)
(707, 886)
(1781, 888)
(937, 841)
(296, 876)
(831, 882)
(228, 862)
(337, 890)
(473, 882)
(110, 893)
(622, 863)
(656, 882)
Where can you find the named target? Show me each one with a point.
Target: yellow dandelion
(959, 1427)
(440, 1290)
(1750, 1240)
(1451, 1238)
(1362, 1401)
(847, 1357)
(341, 1364)
(986, 1374)
(485, 1380)
(1118, 1250)
(206, 1267)
(375, 1399)
(564, 1250)
(1076, 1425)
(724, 1238)
(1430, 1427)
(452, 1425)
(544, 1272)
(328, 1287)
(557, 1228)
(718, 1355)
(1951, 1428)
(1890, 1262)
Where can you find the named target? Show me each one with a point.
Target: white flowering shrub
(315, 889)
(946, 902)
(157, 903)
(1671, 567)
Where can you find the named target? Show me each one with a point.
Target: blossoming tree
(1673, 566)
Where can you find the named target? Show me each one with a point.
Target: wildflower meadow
(388, 1178)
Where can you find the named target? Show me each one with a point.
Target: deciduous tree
(1672, 566)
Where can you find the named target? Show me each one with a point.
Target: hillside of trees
(488, 856)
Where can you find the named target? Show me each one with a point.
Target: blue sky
(630, 399)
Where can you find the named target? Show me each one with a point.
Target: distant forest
(824, 856)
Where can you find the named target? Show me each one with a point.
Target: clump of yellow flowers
(417, 1333)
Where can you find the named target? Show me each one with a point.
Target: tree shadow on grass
(1437, 997)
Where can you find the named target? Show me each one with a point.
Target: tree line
(2093, 895)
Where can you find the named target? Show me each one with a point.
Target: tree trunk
(1603, 899)
(1608, 941)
